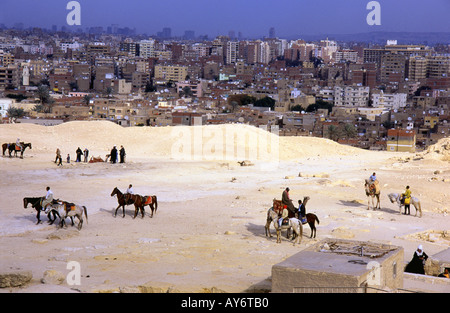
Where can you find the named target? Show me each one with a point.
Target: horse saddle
(303, 220)
(18, 148)
(278, 206)
(148, 200)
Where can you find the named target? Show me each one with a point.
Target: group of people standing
(117, 153)
(78, 152)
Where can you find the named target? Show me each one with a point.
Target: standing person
(122, 154)
(79, 154)
(301, 211)
(58, 158)
(416, 265)
(48, 199)
(285, 199)
(86, 155)
(68, 158)
(407, 199)
(114, 155)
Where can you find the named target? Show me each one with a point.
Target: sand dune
(208, 232)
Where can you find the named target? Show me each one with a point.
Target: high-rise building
(417, 68)
(232, 52)
(272, 32)
(393, 67)
(147, 48)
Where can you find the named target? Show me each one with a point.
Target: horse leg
(115, 212)
(311, 225)
(38, 216)
(142, 211)
(267, 227)
(418, 208)
(80, 221)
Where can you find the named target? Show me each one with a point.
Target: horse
(120, 200)
(372, 191)
(66, 209)
(12, 147)
(293, 223)
(139, 203)
(36, 204)
(150, 201)
(395, 197)
(311, 219)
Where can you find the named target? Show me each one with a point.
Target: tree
(333, 132)
(266, 102)
(348, 130)
(46, 101)
(320, 104)
(15, 112)
(186, 92)
(87, 99)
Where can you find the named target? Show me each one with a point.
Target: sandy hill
(212, 142)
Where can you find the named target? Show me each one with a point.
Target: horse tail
(317, 219)
(156, 203)
(85, 213)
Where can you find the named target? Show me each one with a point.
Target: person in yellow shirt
(407, 199)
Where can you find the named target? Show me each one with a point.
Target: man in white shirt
(48, 199)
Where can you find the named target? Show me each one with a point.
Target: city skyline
(251, 18)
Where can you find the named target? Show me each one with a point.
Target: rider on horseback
(18, 145)
(48, 199)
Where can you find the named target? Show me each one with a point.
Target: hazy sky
(251, 17)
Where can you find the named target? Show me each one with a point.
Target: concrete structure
(169, 72)
(338, 263)
(392, 101)
(401, 140)
(351, 96)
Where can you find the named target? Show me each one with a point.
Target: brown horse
(12, 147)
(139, 203)
(36, 204)
(152, 202)
(121, 200)
(311, 219)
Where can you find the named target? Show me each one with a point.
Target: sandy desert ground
(208, 232)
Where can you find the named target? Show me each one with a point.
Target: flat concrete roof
(337, 261)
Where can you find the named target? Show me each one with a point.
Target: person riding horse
(286, 200)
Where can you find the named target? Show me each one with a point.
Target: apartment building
(401, 140)
(393, 67)
(9, 77)
(232, 52)
(171, 72)
(391, 101)
(346, 55)
(351, 96)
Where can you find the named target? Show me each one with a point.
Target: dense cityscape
(393, 96)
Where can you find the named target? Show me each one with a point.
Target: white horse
(66, 209)
(395, 197)
(295, 224)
